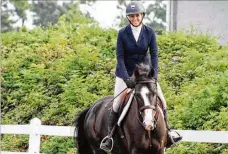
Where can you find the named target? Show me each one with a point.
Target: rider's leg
(161, 96)
(174, 139)
(120, 85)
(113, 117)
(164, 104)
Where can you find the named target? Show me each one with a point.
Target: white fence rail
(35, 130)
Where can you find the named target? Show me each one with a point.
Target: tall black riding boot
(171, 139)
(113, 117)
(166, 119)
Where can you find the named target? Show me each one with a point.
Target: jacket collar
(141, 36)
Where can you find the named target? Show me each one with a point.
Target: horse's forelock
(142, 69)
(147, 60)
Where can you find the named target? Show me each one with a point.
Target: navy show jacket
(129, 52)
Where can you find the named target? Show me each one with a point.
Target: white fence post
(34, 138)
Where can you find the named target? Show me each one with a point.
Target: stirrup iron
(107, 138)
(171, 137)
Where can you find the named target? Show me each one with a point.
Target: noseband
(146, 81)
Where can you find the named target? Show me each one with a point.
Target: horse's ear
(151, 74)
(137, 67)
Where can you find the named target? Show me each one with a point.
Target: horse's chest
(147, 146)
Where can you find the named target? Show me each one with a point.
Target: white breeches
(161, 96)
(120, 86)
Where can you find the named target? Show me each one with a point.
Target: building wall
(207, 16)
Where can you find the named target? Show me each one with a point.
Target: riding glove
(129, 82)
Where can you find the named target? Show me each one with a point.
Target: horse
(143, 129)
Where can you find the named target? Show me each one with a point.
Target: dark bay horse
(142, 131)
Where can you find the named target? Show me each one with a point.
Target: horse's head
(146, 95)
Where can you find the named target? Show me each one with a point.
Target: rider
(133, 41)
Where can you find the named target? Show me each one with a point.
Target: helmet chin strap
(138, 24)
(134, 25)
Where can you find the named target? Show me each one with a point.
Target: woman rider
(133, 42)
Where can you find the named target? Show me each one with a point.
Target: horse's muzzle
(149, 126)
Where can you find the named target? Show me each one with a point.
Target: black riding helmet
(135, 7)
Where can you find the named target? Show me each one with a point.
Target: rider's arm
(120, 57)
(154, 54)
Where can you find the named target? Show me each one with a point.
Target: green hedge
(55, 73)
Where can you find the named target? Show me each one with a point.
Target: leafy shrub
(55, 73)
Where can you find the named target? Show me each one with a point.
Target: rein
(116, 96)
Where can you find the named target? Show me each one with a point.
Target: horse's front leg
(161, 151)
(99, 152)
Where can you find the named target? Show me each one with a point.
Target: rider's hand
(130, 83)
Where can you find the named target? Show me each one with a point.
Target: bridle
(154, 98)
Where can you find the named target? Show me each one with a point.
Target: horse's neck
(160, 111)
(133, 115)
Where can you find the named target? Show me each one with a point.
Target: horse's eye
(142, 114)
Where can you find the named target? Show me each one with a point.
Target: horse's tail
(79, 134)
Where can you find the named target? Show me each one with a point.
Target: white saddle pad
(125, 109)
